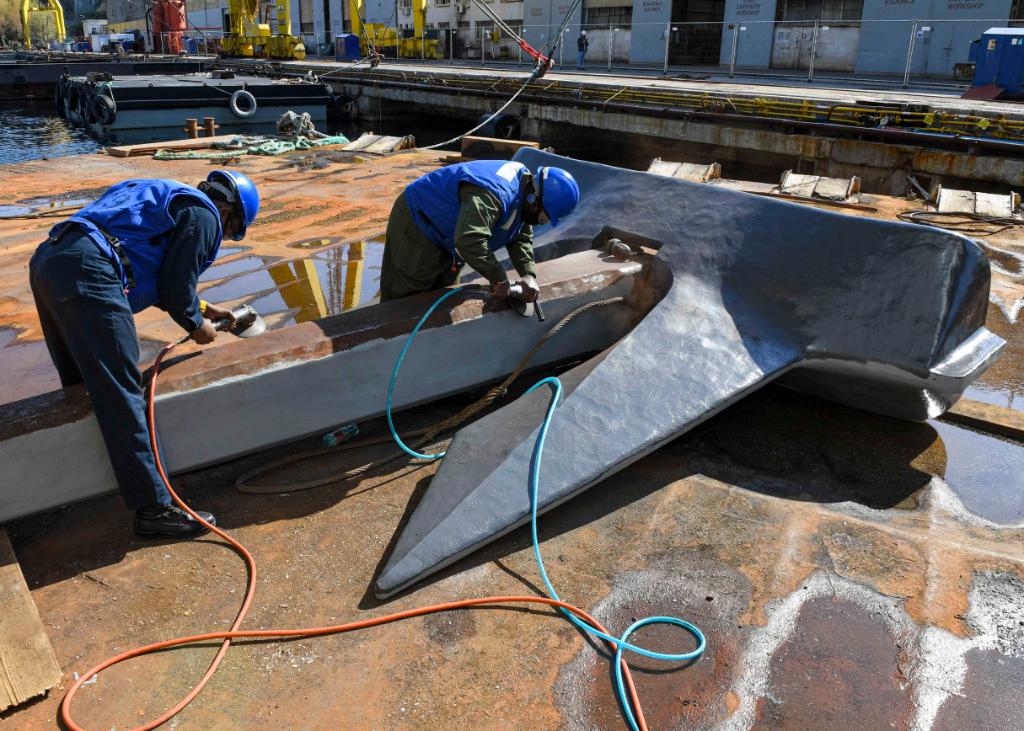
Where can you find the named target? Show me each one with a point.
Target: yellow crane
(384, 36)
(249, 37)
(39, 7)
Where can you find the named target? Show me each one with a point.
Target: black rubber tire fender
(249, 102)
(103, 110)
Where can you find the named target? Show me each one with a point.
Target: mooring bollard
(191, 128)
(210, 126)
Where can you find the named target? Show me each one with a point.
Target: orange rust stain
(323, 203)
(732, 702)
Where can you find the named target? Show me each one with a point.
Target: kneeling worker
(142, 243)
(463, 214)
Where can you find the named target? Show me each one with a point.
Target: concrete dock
(851, 571)
(762, 128)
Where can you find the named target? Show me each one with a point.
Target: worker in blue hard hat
(462, 214)
(142, 243)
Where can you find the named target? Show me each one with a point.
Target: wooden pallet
(380, 144)
(694, 172)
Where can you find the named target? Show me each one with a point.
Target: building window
(442, 3)
(803, 10)
(609, 17)
(444, 25)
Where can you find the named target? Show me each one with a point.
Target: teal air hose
(621, 643)
(398, 365)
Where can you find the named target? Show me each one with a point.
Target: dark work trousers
(411, 263)
(91, 336)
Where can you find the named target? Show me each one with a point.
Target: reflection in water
(1003, 383)
(986, 472)
(222, 270)
(326, 283)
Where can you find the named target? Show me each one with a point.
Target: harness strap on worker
(115, 246)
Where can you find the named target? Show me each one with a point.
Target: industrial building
(920, 37)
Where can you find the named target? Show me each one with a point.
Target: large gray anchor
(887, 317)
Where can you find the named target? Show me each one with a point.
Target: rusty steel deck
(852, 571)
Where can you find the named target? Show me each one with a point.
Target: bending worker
(462, 214)
(142, 243)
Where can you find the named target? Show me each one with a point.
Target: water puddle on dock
(31, 362)
(985, 472)
(288, 291)
(1003, 383)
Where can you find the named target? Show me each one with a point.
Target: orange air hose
(235, 633)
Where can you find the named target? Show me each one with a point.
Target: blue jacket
(136, 213)
(434, 200)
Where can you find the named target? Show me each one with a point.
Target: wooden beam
(988, 418)
(815, 201)
(28, 667)
(490, 148)
(148, 148)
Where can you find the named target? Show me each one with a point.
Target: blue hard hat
(559, 192)
(241, 191)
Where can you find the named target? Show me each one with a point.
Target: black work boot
(170, 521)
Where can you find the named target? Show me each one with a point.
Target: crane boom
(32, 7)
(248, 37)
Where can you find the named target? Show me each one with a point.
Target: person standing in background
(582, 44)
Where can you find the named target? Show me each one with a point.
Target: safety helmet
(559, 192)
(583, 32)
(239, 189)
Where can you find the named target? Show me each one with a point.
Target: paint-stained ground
(851, 571)
(844, 579)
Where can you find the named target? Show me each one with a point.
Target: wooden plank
(988, 418)
(993, 204)
(798, 185)
(663, 167)
(834, 189)
(815, 201)
(490, 148)
(697, 173)
(494, 144)
(28, 667)
(955, 201)
(387, 145)
(365, 140)
(694, 172)
(148, 148)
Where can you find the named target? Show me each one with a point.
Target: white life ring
(248, 106)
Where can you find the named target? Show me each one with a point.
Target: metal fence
(892, 51)
(887, 51)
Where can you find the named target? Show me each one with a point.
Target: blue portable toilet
(999, 59)
(346, 47)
